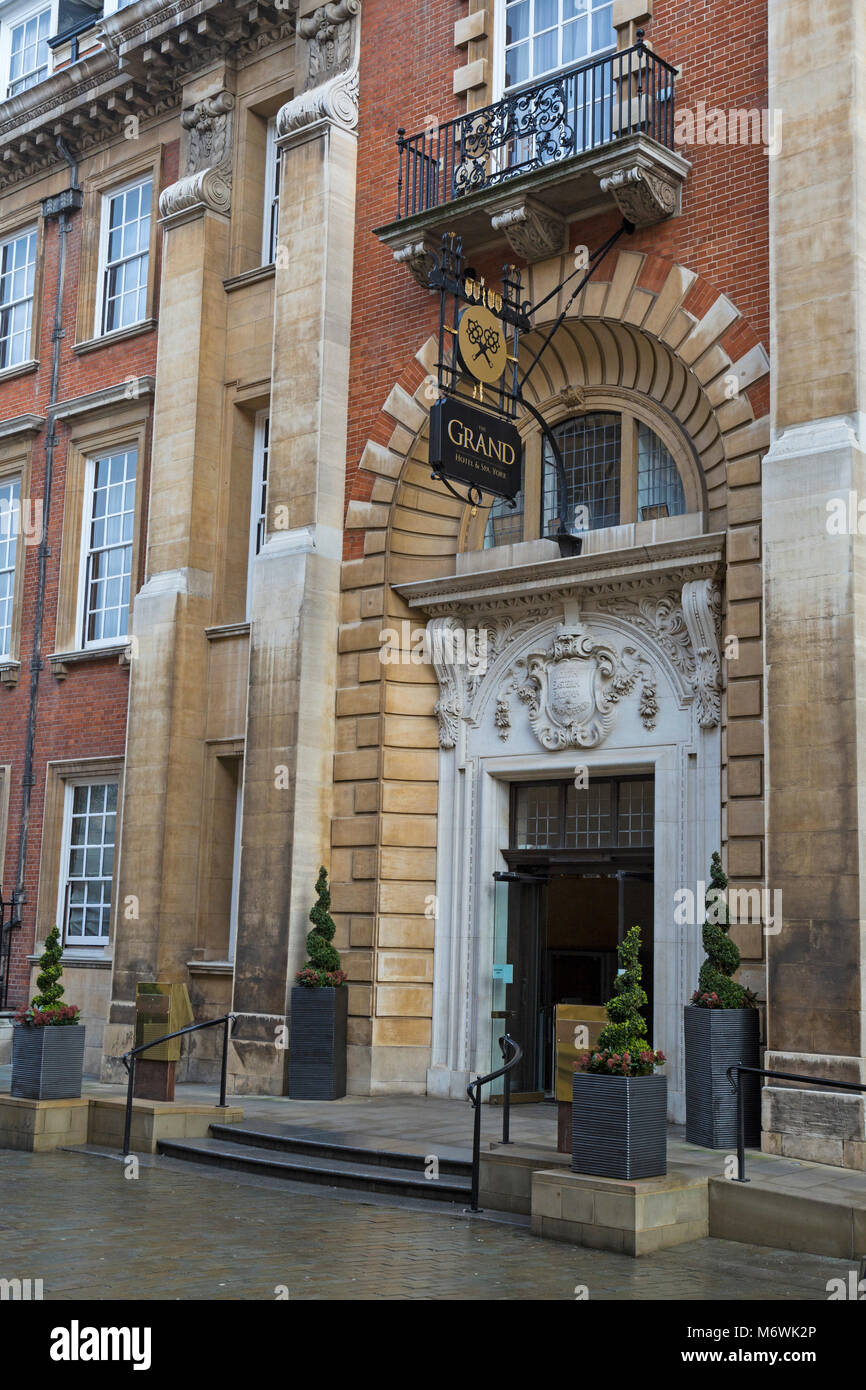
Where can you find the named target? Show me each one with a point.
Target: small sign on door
(504, 972)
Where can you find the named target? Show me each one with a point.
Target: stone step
(304, 1167)
(320, 1144)
(818, 1211)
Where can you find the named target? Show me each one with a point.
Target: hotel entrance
(580, 873)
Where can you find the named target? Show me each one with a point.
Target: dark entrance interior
(580, 873)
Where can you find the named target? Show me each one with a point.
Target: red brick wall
(85, 714)
(407, 64)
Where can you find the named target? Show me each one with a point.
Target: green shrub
(716, 989)
(323, 967)
(622, 1048)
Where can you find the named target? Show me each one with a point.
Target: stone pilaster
(813, 578)
(155, 913)
(288, 774)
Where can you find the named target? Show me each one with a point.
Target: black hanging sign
(473, 447)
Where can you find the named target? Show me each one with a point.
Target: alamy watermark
(759, 906)
(711, 125)
(418, 646)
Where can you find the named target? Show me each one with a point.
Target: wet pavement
(179, 1232)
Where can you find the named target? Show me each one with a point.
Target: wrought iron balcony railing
(574, 112)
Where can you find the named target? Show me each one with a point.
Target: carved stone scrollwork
(445, 636)
(685, 625)
(332, 37)
(418, 258)
(642, 196)
(207, 181)
(702, 604)
(534, 232)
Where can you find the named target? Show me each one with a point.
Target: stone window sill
(20, 369)
(60, 662)
(9, 672)
(89, 962)
(118, 336)
(210, 967)
(249, 277)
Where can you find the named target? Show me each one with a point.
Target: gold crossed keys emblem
(482, 344)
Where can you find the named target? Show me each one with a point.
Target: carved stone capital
(206, 185)
(332, 37)
(534, 232)
(209, 191)
(209, 123)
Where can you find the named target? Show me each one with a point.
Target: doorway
(580, 874)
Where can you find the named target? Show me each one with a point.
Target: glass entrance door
(521, 901)
(580, 874)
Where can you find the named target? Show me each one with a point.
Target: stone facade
(247, 715)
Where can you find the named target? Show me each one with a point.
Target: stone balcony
(596, 136)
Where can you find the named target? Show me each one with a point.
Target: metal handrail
(473, 1090)
(782, 1076)
(128, 1060)
(572, 111)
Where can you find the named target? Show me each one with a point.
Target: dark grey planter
(715, 1040)
(620, 1126)
(47, 1063)
(317, 1043)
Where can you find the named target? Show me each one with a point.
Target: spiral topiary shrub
(716, 989)
(322, 970)
(622, 1048)
(46, 1008)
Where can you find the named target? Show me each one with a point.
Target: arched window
(617, 470)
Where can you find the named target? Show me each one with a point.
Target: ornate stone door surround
(610, 662)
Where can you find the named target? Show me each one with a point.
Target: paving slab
(244, 1239)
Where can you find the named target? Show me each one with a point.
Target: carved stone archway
(651, 328)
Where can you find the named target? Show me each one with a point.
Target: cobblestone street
(178, 1233)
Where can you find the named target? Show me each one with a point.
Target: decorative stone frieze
(534, 232)
(570, 688)
(207, 183)
(332, 36)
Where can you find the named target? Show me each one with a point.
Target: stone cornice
(149, 49)
(619, 572)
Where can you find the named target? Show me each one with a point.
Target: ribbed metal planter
(47, 1063)
(317, 1043)
(715, 1040)
(620, 1126)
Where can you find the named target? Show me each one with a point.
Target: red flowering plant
(48, 1018)
(622, 1048)
(45, 1009)
(321, 979)
(607, 1063)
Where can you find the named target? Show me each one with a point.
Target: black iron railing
(473, 1090)
(10, 920)
(128, 1060)
(781, 1076)
(570, 113)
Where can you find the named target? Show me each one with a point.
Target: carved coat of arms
(570, 690)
